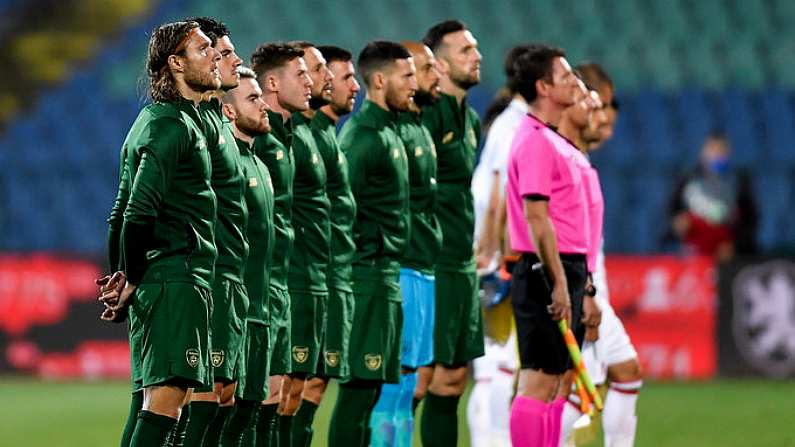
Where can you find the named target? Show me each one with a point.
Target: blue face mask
(719, 165)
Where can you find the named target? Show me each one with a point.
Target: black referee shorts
(541, 344)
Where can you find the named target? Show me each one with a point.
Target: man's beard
(341, 110)
(465, 82)
(423, 98)
(201, 81)
(316, 102)
(251, 127)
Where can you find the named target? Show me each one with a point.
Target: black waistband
(568, 257)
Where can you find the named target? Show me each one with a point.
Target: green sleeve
(159, 154)
(359, 146)
(117, 213)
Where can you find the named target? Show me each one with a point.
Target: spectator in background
(712, 211)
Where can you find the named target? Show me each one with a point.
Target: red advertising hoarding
(49, 323)
(668, 307)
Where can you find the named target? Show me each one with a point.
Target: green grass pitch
(720, 413)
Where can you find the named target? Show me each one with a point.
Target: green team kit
(259, 197)
(458, 332)
(278, 158)
(309, 259)
(380, 185)
(339, 312)
(166, 244)
(426, 235)
(230, 299)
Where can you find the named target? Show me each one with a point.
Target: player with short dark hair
(286, 86)
(392, 421)
(548, 224)
(331, 98)
(161, 263)
(458, 328)
(311, 165)
(380, 186)
(230, 298)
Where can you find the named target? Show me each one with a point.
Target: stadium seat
(736, 114)
(778, 121)
(657, 133)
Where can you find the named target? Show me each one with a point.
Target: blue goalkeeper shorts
(419, 311)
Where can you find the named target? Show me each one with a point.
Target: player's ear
(229, 111)
(271, 83)
(442, 66)
(378, 80)
(176, 63)
(542, 88)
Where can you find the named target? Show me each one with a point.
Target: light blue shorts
(419, 309)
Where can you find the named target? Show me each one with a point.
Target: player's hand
(110, 287)
(482, 261)
(124, 298)
(591, 333)
(115, 316)
(591, 314)
(561, 304)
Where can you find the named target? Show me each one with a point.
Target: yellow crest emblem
(217, 358)
(300, 354)
(332, 358)
(252, 182)
(279, 154)
(418, 152)
(192, 357)
(372, 361)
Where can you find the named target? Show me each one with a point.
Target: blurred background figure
(712, 209)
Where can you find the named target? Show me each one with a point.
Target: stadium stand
(57, 178)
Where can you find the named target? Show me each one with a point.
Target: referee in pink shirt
(548, 222)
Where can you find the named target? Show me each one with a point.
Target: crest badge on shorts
(217, 358)
(372, 361)
(332, 358)
(192, 357)
(300, 354)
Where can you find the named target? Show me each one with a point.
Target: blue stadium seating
(674, 88)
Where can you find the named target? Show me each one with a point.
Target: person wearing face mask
(712, 213)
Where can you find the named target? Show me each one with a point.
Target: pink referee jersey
(596, 212)
(543, 163)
